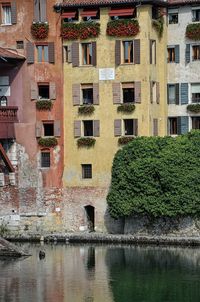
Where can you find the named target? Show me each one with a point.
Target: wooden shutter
(187, 53)
(151, 92)
(157, 92)
(77, 128)
(117, 127)
(117, 52)
(75, 54)
(76, 94)
(36, 10)
(96, 128)
(184, 93)
(52, 90)
(150, 51)
(137, 92)
(34, 91)
(13, 12)
(116, 89)
(177, 59)
(155, 126)
(177, 93)
(183, 125)
(137, 51)
(38, 129)
(96, 94)
(30, 53)
(43, 11)
(56, 128)
(135, 127)
(94, 54)
(51, 52)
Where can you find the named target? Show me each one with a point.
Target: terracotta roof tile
(10, 54)
(81, 3)
(175, 2)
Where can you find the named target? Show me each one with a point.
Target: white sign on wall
(106, 74)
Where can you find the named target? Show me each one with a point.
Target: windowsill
(86, 65)
(43, 99)
(127, 64)
(40, 22)
(44, 168)
(9, 24)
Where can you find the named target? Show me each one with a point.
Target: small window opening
(128, 127)
(43, 91)
(48, 129)
(88, 128)
(45, 159)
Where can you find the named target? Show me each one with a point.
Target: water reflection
(91, 273)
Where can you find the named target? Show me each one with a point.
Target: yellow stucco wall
(101, 155)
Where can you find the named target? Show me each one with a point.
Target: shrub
(194, 108)
(86, 142)
(158, 24)
(123, 28)
(125, 140)
(193, 31)
(83, 30)
(126, 107)
(39, 30)
(44, 104)
(47, 141)
(157, 176)
(86, 109)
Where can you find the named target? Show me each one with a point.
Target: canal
(101, 273)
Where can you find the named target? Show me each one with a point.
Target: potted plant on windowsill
(193, 31)
(83, 30)
(86, 109)
(47, 141)
(194, 108)
(126, 108)
(123, 140)
(123, 28)
(44, 104)
(87, 142)
(40, 30)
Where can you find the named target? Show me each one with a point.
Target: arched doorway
(90, 217)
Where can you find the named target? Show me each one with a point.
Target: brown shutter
(137, 51)
(30, 53)
(157, 92)
(76, 94)
(116, 89)
(155, 126)
(56, 128)
(117, 127)
(36, 10)
(151, 92)
(52, 90)
(13, 12)
(34, 91)
(38, 129)
(69, 53)
(96, 126)
(96, 94)
(51, 52)
(43, 11)
(155, 52)
(77, 128)
(94, 54)
(177, 93)
(75, 54)
(117, 52)
(137, 92)
(150, 51)
(135, 127)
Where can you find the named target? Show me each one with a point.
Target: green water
(95, 273)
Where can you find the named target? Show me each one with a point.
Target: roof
(176, 2)
(10, 54)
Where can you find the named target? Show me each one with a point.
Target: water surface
(95, 273)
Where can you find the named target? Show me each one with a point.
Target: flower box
(86, 109)
(126, 108)
(123, 28)
(40, 30)
(87, 142)
(194, 108)
(123, 140)
(193, 31)
(44, 104)
(47, 141)
(83, 30)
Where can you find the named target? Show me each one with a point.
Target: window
(87, 53)
(171, 54)
(173, 93)
(42, 53)
(153, 92)
(129, 127)
(6, 14)
(43, 91)
(128, 52)
(40, 10)
(4, 86)
(173, 125)
(122, 13)
(70, 16)
(86, 171)
(45, 159)
(90, 14)
(152, 52)
(195, 52)
(155, 12)
(3, 101)
(48, 129)
(87, 94)
(196, 14)
(196, 122)
(195, 91)
(128, 92)
(88, 128)
(173, 17)
(20, 44)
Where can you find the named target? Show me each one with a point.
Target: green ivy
(194, 108)
(86, 109)
(47, 141)
(158, 24)
(44, 104)
(86, 142)
(157, 176)
(193, 31)
(126, 107)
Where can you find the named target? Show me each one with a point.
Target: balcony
(8, 116)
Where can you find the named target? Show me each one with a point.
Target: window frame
(194, 10)
(194, 120)
(86, 171)
(43, 54)
(87, 87)
(44, 123)
(87, 53)
(84, 128)
(40, 84)
(173, 125)
(171, 55)
(194, 100)
(130, 49)
(173, 13)
(197, 52)
(42, 160)
(3, 18)
(129, 85)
